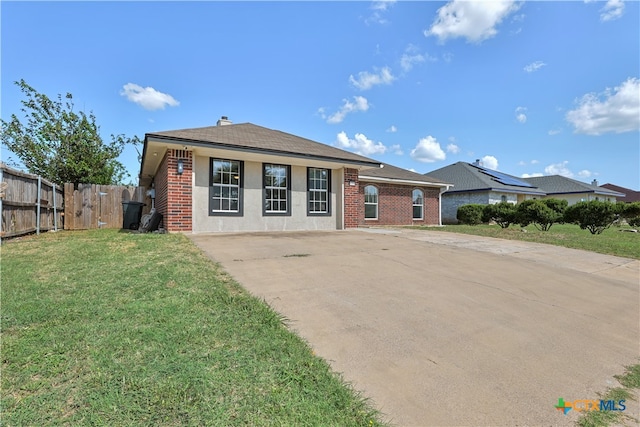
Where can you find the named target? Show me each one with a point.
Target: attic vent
(224, 120)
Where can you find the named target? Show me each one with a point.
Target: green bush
(470, 214)
(630, 212)
(542, 213)
(595, 216)
(503, 214)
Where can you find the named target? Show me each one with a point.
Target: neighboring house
(244, 177)
(630, 196)
(473, 183)
(560, 187)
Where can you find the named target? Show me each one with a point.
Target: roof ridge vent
(224, 120)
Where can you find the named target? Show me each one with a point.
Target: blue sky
(531, 88)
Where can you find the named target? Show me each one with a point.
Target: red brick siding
(174, 192)
(395, 205)
(353, 200)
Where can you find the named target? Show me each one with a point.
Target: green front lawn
(612, 241)
(117, 329)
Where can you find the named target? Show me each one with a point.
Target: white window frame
(415, 205)
(370, 203)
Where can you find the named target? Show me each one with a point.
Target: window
(418, 204)
(225, 191)
(503, 198)
(276, 189)
(370, 202)
(318, 191)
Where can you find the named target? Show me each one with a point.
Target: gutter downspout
(442, 190)
(342, 226)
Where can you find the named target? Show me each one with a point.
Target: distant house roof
(392, 173)
(556, 184)
(466, 177)
(629, 195)
(257, 138)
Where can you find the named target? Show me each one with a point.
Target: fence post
(38, 205)
(55, 212)
(1, 197)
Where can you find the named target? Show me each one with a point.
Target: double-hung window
(370, 202)
(318, 191)
(418, 204)
(277, 189)
(225, 191)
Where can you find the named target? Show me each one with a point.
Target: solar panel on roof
(503, 178)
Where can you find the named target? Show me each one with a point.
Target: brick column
(353, 205)
(177, 215)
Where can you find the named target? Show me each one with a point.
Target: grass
(611, 242)
(630, 382)
(117, 329)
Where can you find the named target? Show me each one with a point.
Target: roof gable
(394, 173)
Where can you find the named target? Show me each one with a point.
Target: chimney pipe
(594, 182)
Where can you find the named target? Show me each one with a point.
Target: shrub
(470, 214)
(542, 213)
(595, 216)
(630, 212)
(503, 213)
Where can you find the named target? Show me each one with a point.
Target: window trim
(414, 205)
(377, 203)
(327, 191)
(264, 190)
(240, 211)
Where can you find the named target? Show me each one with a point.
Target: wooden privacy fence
(99, 206)
(28, 203)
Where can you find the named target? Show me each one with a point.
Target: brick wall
(174, 192)
(395, 205)
(353, 200)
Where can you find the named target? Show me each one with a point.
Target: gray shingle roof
(556, 184)
(250, 136)
(395, 173)
(465, 177)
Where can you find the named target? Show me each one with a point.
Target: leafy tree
(594, 215)
(61, 145)
(470, 214)
(503, 214)
(542, 213)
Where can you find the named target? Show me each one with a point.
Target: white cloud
(382, 5)
(360, 144)
(147, 97)
(531, 175)
(534, 66)
(428, 150)
(616, 110)
(520, 114)
(392, 129)
(490, 162)
(585, 173)
(473, 20)
(453, 148)
(379, 8)
(367, 80)
(613, 10)
(447, 56)
(412, 56)
(397, 149)
(554, 132)
(559, 169)
(534, 162)
(360, 104)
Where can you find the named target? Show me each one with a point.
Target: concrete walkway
(445, 329)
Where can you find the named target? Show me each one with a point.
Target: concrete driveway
(445, 329)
